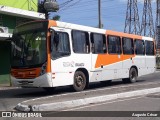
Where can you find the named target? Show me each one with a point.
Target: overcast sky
(85, 12)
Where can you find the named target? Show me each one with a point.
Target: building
(13, 13)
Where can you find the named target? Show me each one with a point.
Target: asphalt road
(136, 106)
(148, 103)
(9, 98)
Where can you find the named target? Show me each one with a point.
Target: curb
(79, 102)
(8, 88)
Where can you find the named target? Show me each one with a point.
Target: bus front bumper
(41, 81)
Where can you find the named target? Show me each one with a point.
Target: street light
(50, 6)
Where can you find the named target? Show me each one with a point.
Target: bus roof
(98, 30)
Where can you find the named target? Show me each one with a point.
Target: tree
(56, 17)
(47, 6)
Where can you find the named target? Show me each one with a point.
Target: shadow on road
(40, 92)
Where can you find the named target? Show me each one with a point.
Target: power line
(70, 5)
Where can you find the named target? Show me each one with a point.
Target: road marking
(75, 93)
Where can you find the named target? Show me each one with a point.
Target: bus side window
(114, 44)
(149, 45)
(128, 47)
(61, 45)
(139, 47)
(80, 41)
(98, 43)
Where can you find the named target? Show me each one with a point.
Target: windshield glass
(29, 45)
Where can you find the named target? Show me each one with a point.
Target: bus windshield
(29, 46)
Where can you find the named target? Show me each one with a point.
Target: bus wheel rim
(133, 75)
(79, 81)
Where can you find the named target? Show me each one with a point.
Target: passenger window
(128, 46)
(149, 45)
(114, 45)
(98, 43)
(80, 41)
(61, 46)
(139, 47)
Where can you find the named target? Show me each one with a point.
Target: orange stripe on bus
(50, 24)
(120, 34)
(107, 59)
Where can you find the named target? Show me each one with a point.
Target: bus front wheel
(80, 81)
(132, 76)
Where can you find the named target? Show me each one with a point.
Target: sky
(85, 12)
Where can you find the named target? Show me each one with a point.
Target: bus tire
(80, 81)
(132, 76)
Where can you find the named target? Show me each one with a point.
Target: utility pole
(158, 26)
(147, 26)
(99, 14)
(158, 34)
(132, 24)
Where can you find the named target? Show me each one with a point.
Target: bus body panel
(64, 68)
(100, 67)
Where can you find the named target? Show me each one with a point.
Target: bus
(51, 54)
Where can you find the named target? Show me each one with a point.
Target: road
(147, 103)
(136, 106)
(9, 98)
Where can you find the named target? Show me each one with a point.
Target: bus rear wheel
(80, 81)
(132, 76)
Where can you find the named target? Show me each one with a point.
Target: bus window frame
(87, 38)
(68, 43)
(133, 50)
(107, 41)
(153, 48)
(93, 46)
(143, 46)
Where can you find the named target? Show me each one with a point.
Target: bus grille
(26, 73)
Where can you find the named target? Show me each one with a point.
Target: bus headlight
(43, 69)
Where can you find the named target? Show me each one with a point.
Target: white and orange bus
(51, 53)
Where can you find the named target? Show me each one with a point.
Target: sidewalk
(70, 100)
(7, 88)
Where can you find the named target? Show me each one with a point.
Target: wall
(31, 5)
(12, 21)
(5, 63)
